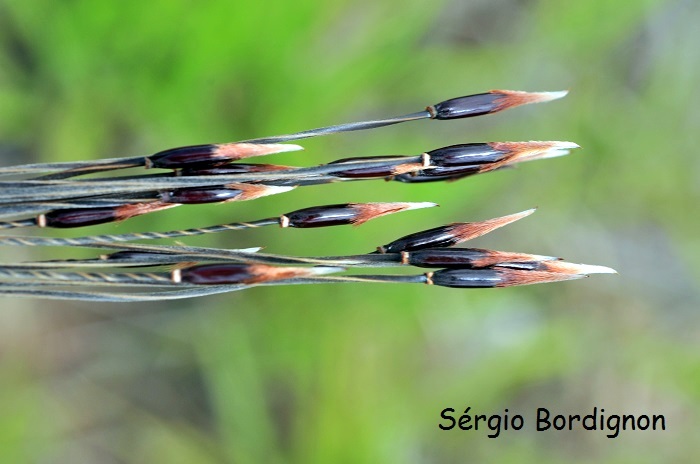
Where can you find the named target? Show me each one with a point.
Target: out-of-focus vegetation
(360, 373)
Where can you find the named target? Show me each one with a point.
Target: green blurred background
(360, 373)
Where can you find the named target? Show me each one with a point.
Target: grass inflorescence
(62, 195)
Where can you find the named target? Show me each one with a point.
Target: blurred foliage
(355, 373)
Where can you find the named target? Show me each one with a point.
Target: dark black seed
(464, 107)
(366, 173)
(323, 216)
(78, 217)
(438, 174)
(438, 237)
(133, 255)
(467, 278)
(181, 157)
(465, 154)
(217, 274)
(193, 196)
(380, 171)
(446, 257)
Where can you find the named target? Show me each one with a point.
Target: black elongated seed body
(185, 156)
(322, 216)
(438, 174)
(467, 278)
(366, 173)
(465, 154)
(200, 195)
(79, 217)
(465, 107)
(438, 237)
(128, 254)
(379, 171)
(217, 274)
(446, 257)
(233, 168)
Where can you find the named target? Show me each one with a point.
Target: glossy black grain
(465, 154)
(446, 257)
(79, 217)
(438, 237)
(322, 216)
(467, 278)
(217, 274)
(380, 171)
(194, 196)
(465, 107)
(181, 157)
(438, 174)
